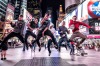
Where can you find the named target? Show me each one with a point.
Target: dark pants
(47, 32)
(72, 49)
(28, 33)
(63, 39)
(13, 34)
(49, 44)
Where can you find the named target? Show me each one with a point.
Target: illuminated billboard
(84, 10)
(27, 17)
(79, 13)
(10, 13)
(96, 24)
(93, 7)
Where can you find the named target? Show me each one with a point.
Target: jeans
(63, 39)
(72, 49)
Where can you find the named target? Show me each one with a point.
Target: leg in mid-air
(48, 32)
(49, 44)
(29, 33)
(37, 41)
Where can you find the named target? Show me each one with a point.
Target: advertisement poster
(10, 12)
(27, 17)
(96, 24)
(93, 7)
(9, 17)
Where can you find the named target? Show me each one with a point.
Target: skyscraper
(19, 6)
(3, 6)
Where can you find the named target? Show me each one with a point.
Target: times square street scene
(49, 32)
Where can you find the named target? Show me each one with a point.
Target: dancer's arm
(46, 28)
(81, 23)
(28, 25)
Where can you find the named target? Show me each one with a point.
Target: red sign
(94, 8)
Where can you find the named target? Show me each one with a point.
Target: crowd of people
(44, 30)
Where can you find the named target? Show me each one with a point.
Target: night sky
(54, 4)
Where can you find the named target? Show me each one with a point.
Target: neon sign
(94, 9)
(97, 26)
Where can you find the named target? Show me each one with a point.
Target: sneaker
(72, 60)
(4, 58)
(23, 49)
(56, 47)
(49, 53)
(72, 54)
(1, 58)
(59, 49)
(39, 49)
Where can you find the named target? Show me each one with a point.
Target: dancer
(3, 47)
(50, 39)
(18, 32)
(62, 31)
(43, 30)
(33, 25)
(75, 24)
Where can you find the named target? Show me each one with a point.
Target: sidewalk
(16, 55)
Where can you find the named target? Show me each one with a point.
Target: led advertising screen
(27, 17)
(96, 24)
(79, 12)
(93, 7)
(10, 13)
(85, 10)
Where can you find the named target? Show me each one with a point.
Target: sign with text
(94, 8)
(96, 24)
(10, 12)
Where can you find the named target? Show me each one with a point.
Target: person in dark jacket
(62, 31)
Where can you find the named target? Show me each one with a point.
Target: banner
(10, 12)
(94, 8)
(27, 17)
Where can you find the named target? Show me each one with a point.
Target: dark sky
(54, 4)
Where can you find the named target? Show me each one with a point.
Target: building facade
(19, 6)
(3, 6)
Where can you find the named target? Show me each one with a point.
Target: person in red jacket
(75, 28)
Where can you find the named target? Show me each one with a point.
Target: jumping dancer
(62, 31)
(18, 30)
(75, 24)
(50, 39)
(33, 25)
(43, 30)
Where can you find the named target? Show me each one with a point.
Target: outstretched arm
(28, 25)
(81, 23)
